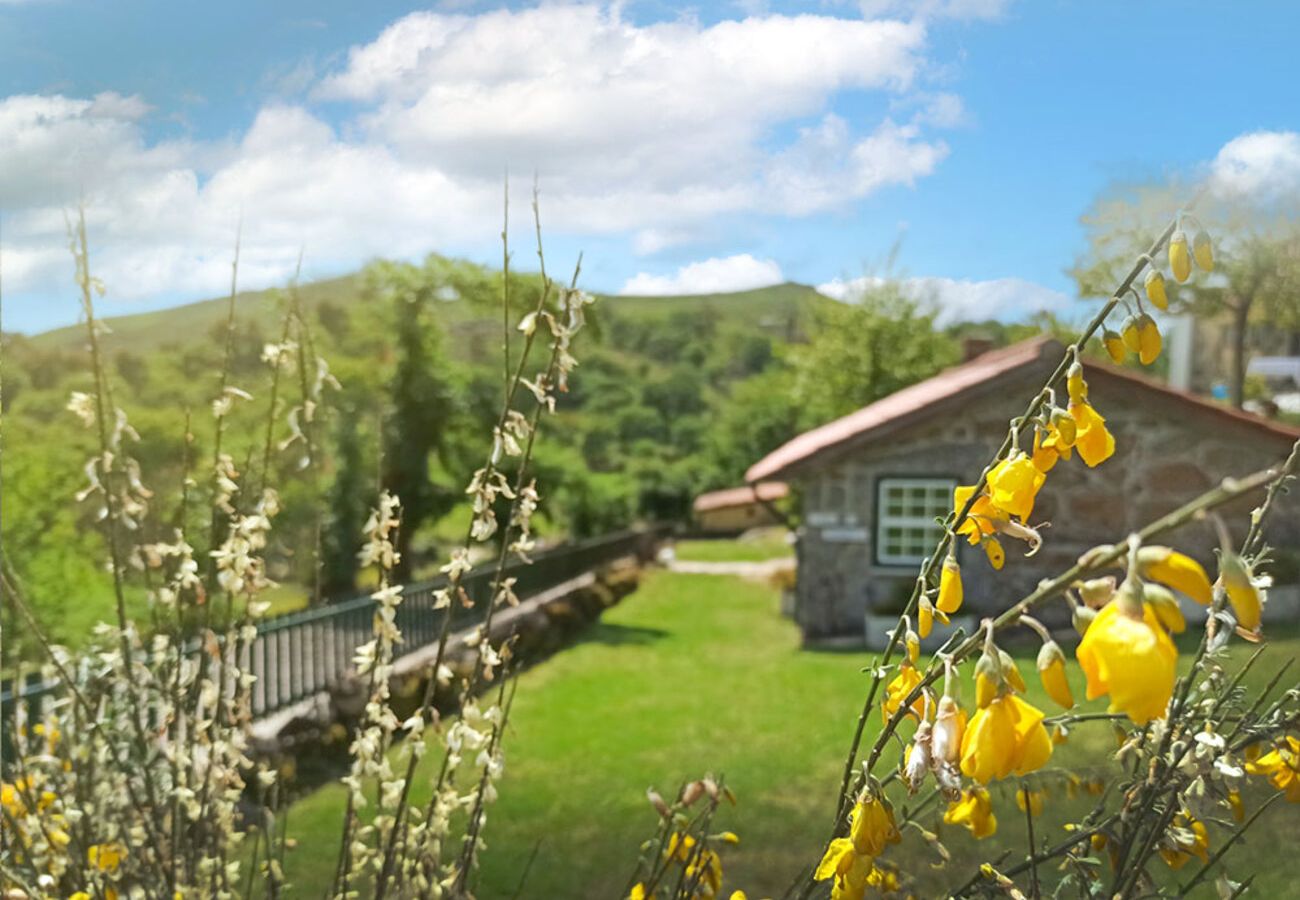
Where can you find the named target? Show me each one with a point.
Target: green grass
(693, 674)
(769, 544)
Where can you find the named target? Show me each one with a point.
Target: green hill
(642, 430)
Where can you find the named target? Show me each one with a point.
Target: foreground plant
(138, 780)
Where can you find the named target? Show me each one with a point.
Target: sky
(681, 148)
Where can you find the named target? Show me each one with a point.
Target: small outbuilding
(734, 510)
(873, 482)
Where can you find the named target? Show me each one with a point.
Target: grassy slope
(695, 674)
(770, 544)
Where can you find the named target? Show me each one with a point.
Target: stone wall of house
(1167, 453)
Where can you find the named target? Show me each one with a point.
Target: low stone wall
(308, 742)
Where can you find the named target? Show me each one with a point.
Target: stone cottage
(872, 483)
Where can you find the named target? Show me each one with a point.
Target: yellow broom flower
(1187, 838)
(1003, 738)
(1114, 345)
(1164, 604)
(950, 589)
(1077, 387)
(1176, 570)
(974, 811)
(980, 520)
(898, 690)
(872, 826)
(1202, 252)
(1095, 443)
(1044, 457)
(1127, 654)
(1155, 288)
(1051, 671)
(1245, 597)
(1014, 483)
(1149, 342)
(1033, 799)
(849, 869)
(1281, 766)
(1180, 260)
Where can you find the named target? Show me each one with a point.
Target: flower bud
(1202, 251)
(1129, 598)
(1129, 331)
(1096, 592)
(1155, 288)
(1077, 387)
(988, 678)
(1082, 617)
(1176, 570)
(657, 802)
(1066, 428)
(1149, 342)
(913, 644)
(917, 762)
(1051, 671)
(1114, 345)
(924, 616)
(1180, 260)
(1011, 672)
(1165, 605)
(950, 588)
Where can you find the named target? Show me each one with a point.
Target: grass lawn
(767, 545)
(693, 674)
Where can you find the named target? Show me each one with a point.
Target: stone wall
(1167, 452)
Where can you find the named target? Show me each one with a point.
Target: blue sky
(681, 147)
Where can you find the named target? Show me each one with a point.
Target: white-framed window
(906, 509)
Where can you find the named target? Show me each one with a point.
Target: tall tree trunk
(1237, 375)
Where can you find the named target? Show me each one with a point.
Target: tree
(422, 402)
(878, 342)
(1256, 262)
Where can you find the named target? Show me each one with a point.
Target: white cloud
(716, 275)
(1005, 299)
(1260, 165)
(650, 131)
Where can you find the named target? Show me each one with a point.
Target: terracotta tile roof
(740, 496)
(950, 384)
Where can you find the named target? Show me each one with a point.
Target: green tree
(1256, 267)
(422, 403)
(347, 503)
(879, 341)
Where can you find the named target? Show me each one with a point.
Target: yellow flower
(82, 895)
(1044, 457)
(1005, 737)
(1095, 443)
(1238, 808)
(1127, 654)
(1155, 287)
(1176, 570)
(925, 616)
(1202, 252)
(1149, 343)
(679, 847)
(106, 857)
(872, 827)
(1114, 345)
(1281, 766)
(1036, 800)
(1187, 838)
(980, 520)
(1051, 670)
(993, 550)
(1238, 581)
(850, 870)
(638, 892)
(1014, 483)
(897, 691)
(706, 872)
(950, 590)
(1180, 261)
(975, 811)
